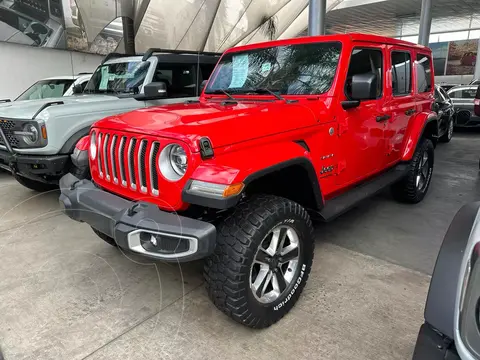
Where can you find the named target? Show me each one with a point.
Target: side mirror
(364, 86)
(154, 91)
(202, 85)
(77, 89)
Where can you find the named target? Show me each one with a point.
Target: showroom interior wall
(21, 66)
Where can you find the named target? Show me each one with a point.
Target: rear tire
(251, 276)
(445, 138)
(414, 186)
(105, 238)
(35, 185)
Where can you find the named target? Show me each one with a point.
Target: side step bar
(344, 202)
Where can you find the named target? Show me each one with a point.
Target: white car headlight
(173, 162)
(93, 146)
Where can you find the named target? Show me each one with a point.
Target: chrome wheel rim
(450, 129)
(422, 172)
(275, 264)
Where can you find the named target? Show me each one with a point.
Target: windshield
(121, 77)
(302, 69)
(46, 89)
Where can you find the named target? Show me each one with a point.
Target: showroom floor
(64, 294)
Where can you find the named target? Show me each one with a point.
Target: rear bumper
(47, 169)
(432, 346)
(133, 225)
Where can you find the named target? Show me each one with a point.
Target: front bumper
(432, 346)
(131, 224)
(46, 169)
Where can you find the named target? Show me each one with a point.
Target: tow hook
(135, 208)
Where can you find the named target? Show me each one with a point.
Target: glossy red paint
(345, 146)
(83, 143)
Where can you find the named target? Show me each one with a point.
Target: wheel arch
(425, 125)
(69, 145)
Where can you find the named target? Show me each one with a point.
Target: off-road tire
(445, 138)
(227, 271)
(407, 190)
(35, 185)
(105, 238)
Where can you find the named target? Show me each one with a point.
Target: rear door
(400, 100)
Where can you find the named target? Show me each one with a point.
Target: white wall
(21, 66)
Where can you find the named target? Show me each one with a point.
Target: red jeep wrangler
(283, 130)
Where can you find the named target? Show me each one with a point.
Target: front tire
(414, 186)
(35, 185)
(262, 260)
(449, 133)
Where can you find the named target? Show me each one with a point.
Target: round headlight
(93, 146)
(31, 134)
(173, 162)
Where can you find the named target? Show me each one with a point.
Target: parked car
(475, 82)
(40, 135)
(445, 111)
(447, 87)
(451, 329)
(463, 98)
(54, 87)
(282, 129)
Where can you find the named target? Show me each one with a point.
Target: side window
(365, 61)
(424, 74)
(456, 94)
(469, 93)
(401, 73)
(83, 84)
(206, 70)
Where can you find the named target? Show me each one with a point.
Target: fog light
(163, 244)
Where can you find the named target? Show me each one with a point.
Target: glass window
(455, 94)
(207, 69)
(46, 89)
(424, 74)
(121, 77)
(180, 79)
(301, 69)
(469, 93)
(365, 61)
(401, 73)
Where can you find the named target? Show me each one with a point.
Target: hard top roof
(349, 37)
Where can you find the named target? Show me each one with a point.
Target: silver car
(463, 98)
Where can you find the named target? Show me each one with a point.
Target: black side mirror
(154, 91)
(202, 85)
(364, 86)
(77, 89)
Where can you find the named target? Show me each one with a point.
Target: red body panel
(345, 146)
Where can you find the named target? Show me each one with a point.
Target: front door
(400, 100)
(361, 132)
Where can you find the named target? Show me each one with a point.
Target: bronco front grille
(8, 126)
(128, 160)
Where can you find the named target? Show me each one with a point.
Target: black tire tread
(444, 138)
(222, 269)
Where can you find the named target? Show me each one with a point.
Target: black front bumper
(126, 221)
(46, 169)
(433, 346)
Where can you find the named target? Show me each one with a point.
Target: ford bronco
(37, 137)
(283, 130)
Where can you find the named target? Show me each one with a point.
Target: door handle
(383, 118)
(410, 112)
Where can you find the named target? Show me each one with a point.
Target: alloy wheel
(450, 129)
(275, 264)
(423, 172)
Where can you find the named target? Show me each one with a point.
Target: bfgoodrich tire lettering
(228, 270)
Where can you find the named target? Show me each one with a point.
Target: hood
(26, 109)
(223, 124)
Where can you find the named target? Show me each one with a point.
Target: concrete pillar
(477, 64)
(425, 22)
(127, 12)
(316, 17)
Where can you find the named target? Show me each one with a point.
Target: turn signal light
(44, 132)
(232, 190)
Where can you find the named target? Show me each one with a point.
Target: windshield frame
(239, 93)
(46, 82)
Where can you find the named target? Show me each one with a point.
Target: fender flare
(69, 145)
(416, 132)
(442, 294)
(301, 161)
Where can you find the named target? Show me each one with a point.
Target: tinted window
(291, 69)
(424, 74)
(401, 73)
(469, 93)
(365, 61)
(455, 94)
(180, 79)
(206, 70)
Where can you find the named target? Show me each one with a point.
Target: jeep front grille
(129, 161)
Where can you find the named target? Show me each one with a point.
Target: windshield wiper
(222, 91)
(262, 91)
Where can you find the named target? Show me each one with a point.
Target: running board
(346, 201)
